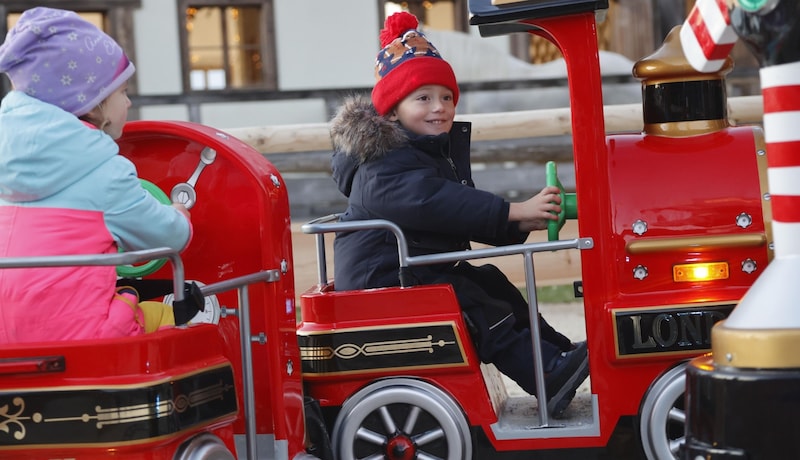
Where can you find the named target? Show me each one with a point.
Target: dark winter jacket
(421, 183)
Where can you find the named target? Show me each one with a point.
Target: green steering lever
(569, 202)
(138, 271)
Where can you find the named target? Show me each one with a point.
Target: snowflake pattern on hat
(412, 44)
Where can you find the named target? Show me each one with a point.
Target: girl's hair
(90, 119)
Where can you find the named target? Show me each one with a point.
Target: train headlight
(706, 271)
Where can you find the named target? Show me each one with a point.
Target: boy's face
(429, 110)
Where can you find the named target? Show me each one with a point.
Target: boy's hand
(534, 213)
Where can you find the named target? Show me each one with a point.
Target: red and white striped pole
(772, 302)
(753, 373)
(707, 36)
(780, 88)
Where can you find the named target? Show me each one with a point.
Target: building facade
(238, 63)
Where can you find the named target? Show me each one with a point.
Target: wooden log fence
(488, 126)
(509, 151)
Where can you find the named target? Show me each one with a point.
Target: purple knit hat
(59, 58)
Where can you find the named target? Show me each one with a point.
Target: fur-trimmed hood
(359, 132)
(359, 135)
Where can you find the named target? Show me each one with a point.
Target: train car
(672, 230)
(229, 387)
(673, 227)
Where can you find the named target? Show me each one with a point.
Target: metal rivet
(749, 265)
(744, 220)
(639, 227)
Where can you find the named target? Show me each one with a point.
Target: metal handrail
(120, 258)
(241, 283)
(330, 224)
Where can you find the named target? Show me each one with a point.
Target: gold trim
(13, 412)
(387, 347)
(103, 417)
(348, 351)
(669, 64)
(450, 323)
(755, 348)
(117, 444)
(144, 384)
(685, 128)
(696, 243)
(388, 369)
(766, 207)
(657, 307)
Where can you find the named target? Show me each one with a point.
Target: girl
(65, 190)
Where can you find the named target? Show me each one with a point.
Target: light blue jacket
(64, 189)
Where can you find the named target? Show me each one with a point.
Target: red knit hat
(406, 62)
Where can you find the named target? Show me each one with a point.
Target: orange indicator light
(700, 272)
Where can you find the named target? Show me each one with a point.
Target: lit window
(433, 14)
(224, 47)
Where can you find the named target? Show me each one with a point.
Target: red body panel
(113, 364)
(241, 224)
(682, 188)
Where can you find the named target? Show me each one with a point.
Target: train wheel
(662, 418)
(401, 418)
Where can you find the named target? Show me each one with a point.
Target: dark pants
(498, 317)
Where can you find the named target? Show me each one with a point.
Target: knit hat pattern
(60, 58)
(406, 62)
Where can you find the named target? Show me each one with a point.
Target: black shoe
(193, 302)
(563, 377)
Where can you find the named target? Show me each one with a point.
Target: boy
(401, 157)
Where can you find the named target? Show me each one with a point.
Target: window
(436, 14)
(94, 18)
(227, 47)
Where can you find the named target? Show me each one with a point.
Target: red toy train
(673, 229)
